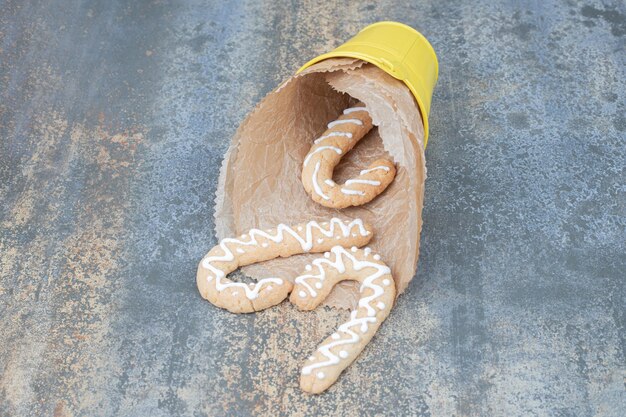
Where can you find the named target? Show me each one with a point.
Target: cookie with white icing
(377, 291)
(263, 245)
(340, 137)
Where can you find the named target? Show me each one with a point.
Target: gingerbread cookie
(317, 168)
(377, 291)
(262, 245)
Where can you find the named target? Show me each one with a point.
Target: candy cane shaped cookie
(340, 137)
(377, 292)
(262, 245)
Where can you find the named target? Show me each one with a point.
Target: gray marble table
(114, 116)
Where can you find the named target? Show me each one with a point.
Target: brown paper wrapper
(260, 186)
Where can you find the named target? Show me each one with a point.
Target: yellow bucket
(400, 51)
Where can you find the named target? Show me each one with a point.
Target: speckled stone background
(114, 116)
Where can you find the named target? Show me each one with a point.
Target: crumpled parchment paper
(259, 184)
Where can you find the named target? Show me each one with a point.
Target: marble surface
(114, 117)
